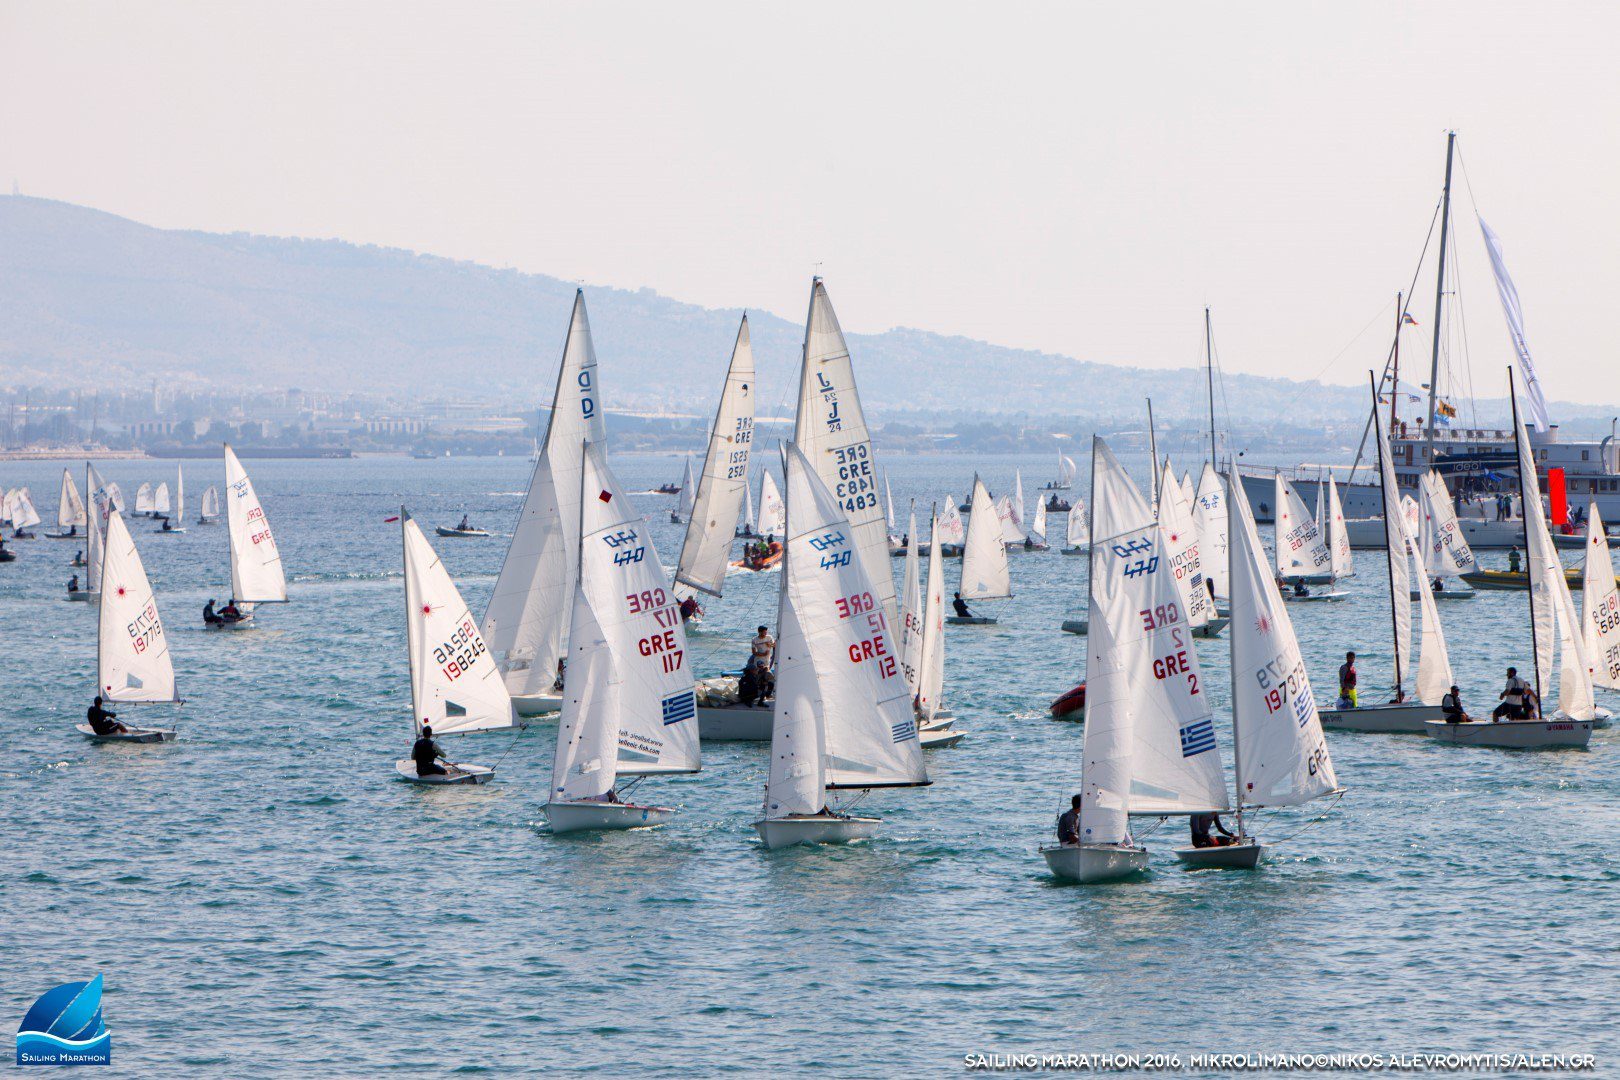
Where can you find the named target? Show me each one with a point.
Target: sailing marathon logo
(64, 1027)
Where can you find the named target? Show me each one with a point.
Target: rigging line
(523, 729)
(1314, 821)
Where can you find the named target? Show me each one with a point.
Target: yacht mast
(1439, 294)
(1209, 376)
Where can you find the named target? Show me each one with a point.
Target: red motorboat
(1071, 706)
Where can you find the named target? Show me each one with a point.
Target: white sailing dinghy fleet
(1303, 555)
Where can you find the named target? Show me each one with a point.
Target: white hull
(64, 536)
(455, 774)
(939, 739)
(1315, 597)
(1309, 579)
(1212, 628)
(1514, 734)
(1243, 855)
(133, 735)
(1449, 593)
(537, 704)
(1407, 718)
(1094, 862)
(232, 624)
(82, 597)
(735, 723)
(971, 620)
(566, 817)
(786, 832)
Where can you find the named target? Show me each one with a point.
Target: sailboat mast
(1440, 293)
(1529, 565)
(1153, 451)
(1237, 757)
(1209, 378)
(1389, 549)
(1395, 360)
(410, 616)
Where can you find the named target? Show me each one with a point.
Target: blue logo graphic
(64, 1027)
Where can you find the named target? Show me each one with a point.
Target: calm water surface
(264, 898)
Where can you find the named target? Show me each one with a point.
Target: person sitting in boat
(1200, 824)
(426, 753)
(465, 524)
(1513, 560)
(1069, 823)
(689, 608)
(167, 526)
(1451, 707)
(1438, 585)
(73, 583)
(1347, 682)
(1516, 698)
(210, 616)
(78, 558)
(751, 686)
(230, 612)
(746, 530)
(1300, 589)
(961, 607)
(1029, 543)
(103, 722)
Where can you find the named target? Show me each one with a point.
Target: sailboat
(1600, 605)
(1066, 472)
(1017, 507)
(686, 500)
(70, 512)
(985, 573)
(950, 533)
(176, 522)
(897, 545)
(1077, 532)
(844, 717)
(526, 623)
(1037, 532)
(629, 709)
(209, 514)
(1209, 507)
(132, 651)
(1181, 543)
(749, 526)
(1338, 536)
(1279, 755)
(23, 515)
(1402, 555)
(144, 500)
(1149, 745)
(930, 701)
(712, 521)
(772, 525)
(1303, 557)
(102, 506)
(934, 732)
(1555, 630)
(160, 500)
(257, 576)
(455, 686)
(1445, 550)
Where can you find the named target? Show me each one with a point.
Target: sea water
(263, 896)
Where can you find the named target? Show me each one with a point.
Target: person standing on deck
(1347, 682)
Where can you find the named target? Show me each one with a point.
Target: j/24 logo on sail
(65, 1027)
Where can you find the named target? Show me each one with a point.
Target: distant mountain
(87, 298)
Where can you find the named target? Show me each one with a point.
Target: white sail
(772, 515)
(1543, 564)
(687, 498)
(1280, 754)
(1038, 530)
(1513, 311)
(797, 781)
(1445, 550)
(1574, 669)
(160, 499)
(831, 432)
(144, 500)
(455, 685)
(1007, 516)
(948, 526)
(101, 508)
(1338, 535)
(1412, 514)
(210, 503)
(1018, 503)
(628, 674)
(931, 684)
(526, 623)
(1398, 543)
(115, 498)
(985, 574)
(256, 572)
(845, 670)
(23, 514)
(1600, 605)
(1434, 675)
(1149, 739)
(911, 613)
(1067, 470)
(1077, 532)
(748, 518)
(712, 522)
(1188, 491)
(1301, 547)
(888, 504)
(180, 495)
(132, 655)
(1210, 508)
(70, 512)
(1182, 547)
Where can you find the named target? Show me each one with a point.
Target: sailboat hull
(567, 817)
(133, 735)
(1077, 551)
(1087, 863)
(1315, 597)
(464, 534)
(1309, 579)
(233, 625)
(936, 739)
(461, 774)
(970, 620)
(1212, 628)
(81, 597)
(537, 704)
(1244, 855)
(1514, 734)
(735, 723)
(1406, 718)
(822, 829)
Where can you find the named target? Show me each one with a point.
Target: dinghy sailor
(1451, 705)
(1069, 823)
(1517, 699)
(961, 607)
(103, 722)
(73, 583)
(1200, 824)
(426, 753)
(210, 616)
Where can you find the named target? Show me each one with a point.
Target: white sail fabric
(911, 614)
(1038, 530)
(1067, 471)
(931, 682)
(1301, 547)
(526, 623)
(1543, 563)
(102, 506)
(1149, 744)
(797, 782)
(687, 498)
(23, 514)
(1412, 514)
(712, 522)
(1434, 675)
(70, 512)
(1210, 508)
(1338, 535)
(772, 515)
(1182, 547)
(1445, 550)
(1600, 605)
(1574, 669)
(1007, 516)
(180, 495)
(748, 519)
(1018, 504)
(985, 574)
(1077, 532)
(132, 655)
(868, 727)
(210, 503)
(256, 573)
(144, 499)
(1281, 756)
(455, 685)
(640, 689)
(160, 499)
(586, 764)
(888, 504)
(115, 498)
(831, 432)
(948, 526)
(1509, 294)
(1397, 544)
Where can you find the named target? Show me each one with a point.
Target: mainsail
(1077, 532)
(1210, 509)
(1301, 548)
(772, 516)
(1338, 535)
(931, 684)
(911, 613)
(1181, 545)
(985, 574)
(256, 572)
(1445, 550)
(712, 522)
(70, 513)
(132, 654)
(1600, 605)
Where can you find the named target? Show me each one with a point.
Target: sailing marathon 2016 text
(1342, 1062)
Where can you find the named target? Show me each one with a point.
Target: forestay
(455, 685)
(256, 573)
(1301, 547)
(1600, 604)
(1445, 551)
(712, 524)
(1280, 755)
(985, 574)
(526, 623)
(1181, 545)
(1210, 508)
(132, 655)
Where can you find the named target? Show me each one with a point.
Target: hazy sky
(1077, 177)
